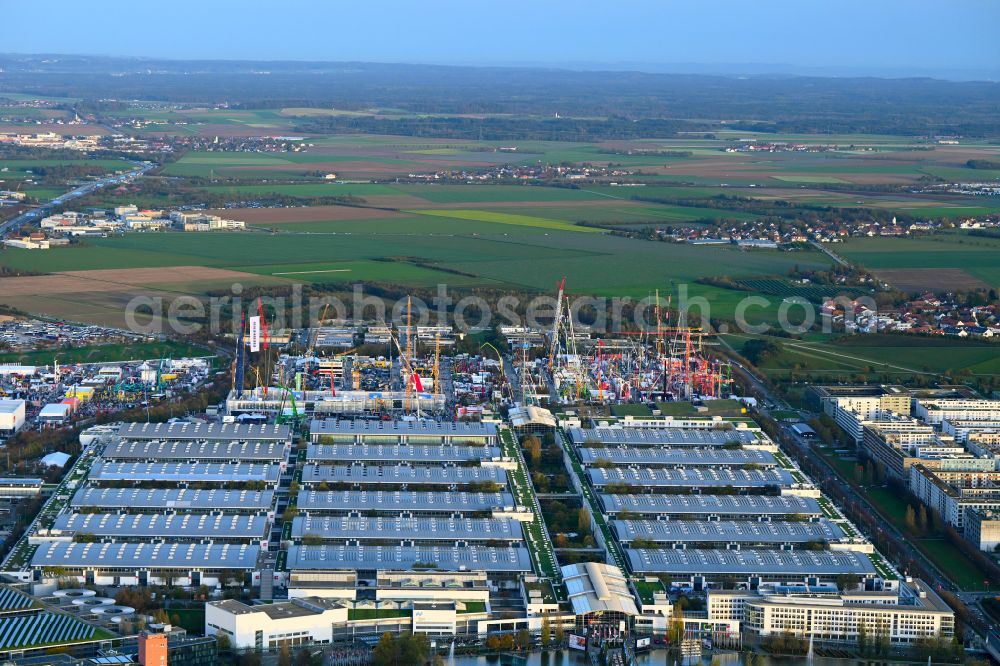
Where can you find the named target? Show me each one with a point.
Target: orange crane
(412, 379)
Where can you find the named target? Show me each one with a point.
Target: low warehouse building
(711, 507)
(453, 531)
(147, 527)
(398, 433)
(17, 488)
(174, 499)
(397, 502)
(11, 416)
(146, 564)
(54, 414)
(751, 565)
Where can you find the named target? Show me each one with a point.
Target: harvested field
(105, 308)
(936, 279)
(102, 296)
(115, 280)
(303, 214)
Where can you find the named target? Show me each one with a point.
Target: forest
(590, 104)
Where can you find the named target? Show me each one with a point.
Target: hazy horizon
(890, 38)
(749, 69)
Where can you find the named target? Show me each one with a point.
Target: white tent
(56, 459)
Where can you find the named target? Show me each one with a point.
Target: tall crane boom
(412, 380)
(554, 341)
(238, 375)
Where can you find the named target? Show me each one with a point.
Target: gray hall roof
(400, 558)
(406, 529)
(748, 561)
(209, 431)
(401, 500)
(756, 505)
(727, 531)
(181, 472)
(184, 556)
(434, 428)
(430, 453)
(189, 526)
(661, 436)
(654, 455)
(124, 449)
(174, 498)
(374, 474)
(691, 477)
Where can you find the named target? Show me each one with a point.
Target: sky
(905, 37)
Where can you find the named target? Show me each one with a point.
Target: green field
(977, 256)
(630, 410)
(630, 214)
(191, 619)
(963, 174)
(784, 288)
(43, 193)
(948, 211)
(594, 263)
(898, 356)
(433, 194)
(714, 408)
(252, 117)
(527, 237)
(251, 166)
(415, 225)
(362, 271)
(507, 219)
(959, 568)
(483, 193)
(956, 565)
(305, 190)
(809, 179)
(22, 165)
(32, 113)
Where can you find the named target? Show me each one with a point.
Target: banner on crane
(417, 384)
(254, 334)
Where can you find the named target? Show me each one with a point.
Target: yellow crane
(437, 362)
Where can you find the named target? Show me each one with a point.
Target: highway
(36, 214)
(830, 253)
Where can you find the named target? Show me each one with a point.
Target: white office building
(938, 410)
(11, 416)
(912, 613)
(269, 626)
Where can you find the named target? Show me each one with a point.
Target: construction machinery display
(657, 363)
